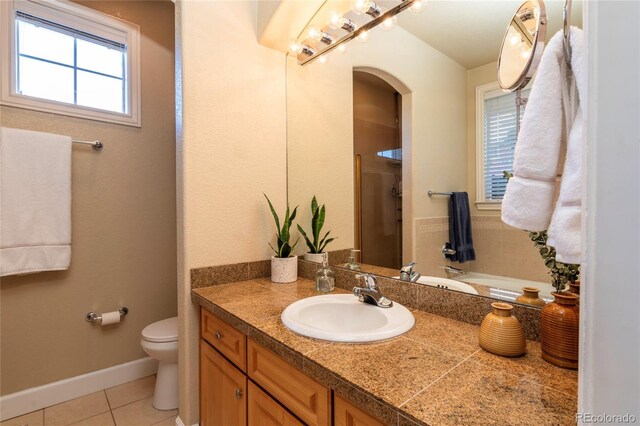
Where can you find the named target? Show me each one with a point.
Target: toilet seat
(161, 331)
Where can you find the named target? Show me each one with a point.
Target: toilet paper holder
(93, 317)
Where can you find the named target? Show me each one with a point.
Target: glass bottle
(325, 278)
(351, 263)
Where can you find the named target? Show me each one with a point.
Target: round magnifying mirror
(522, 45)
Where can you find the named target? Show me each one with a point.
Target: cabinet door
(307, 399)
(265, 411)
(346, 414)
(223, 390)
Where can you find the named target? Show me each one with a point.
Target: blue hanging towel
(460, 238)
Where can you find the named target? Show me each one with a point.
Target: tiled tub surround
(500, 249)
(434, 374)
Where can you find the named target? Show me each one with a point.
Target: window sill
(489, 205)
(77, 111)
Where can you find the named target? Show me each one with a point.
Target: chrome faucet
(452, 270)
(408, 274)
(370, 293)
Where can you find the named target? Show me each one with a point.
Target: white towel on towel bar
(35, 201)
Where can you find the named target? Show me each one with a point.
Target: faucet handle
(370, 280)
(408, 267)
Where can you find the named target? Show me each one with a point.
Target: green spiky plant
(283, 234)
(561, 273)
(317, 222)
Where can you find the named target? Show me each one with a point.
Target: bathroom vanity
(253, 370)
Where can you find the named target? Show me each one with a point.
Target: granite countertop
(435, 374)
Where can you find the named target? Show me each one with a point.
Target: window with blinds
(67, 65)
(499, 141)
(69, 59)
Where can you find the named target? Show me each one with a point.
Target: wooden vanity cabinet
(243, 383)
(306, 398)
(265, 411)
(223, 390)
(346, 414)
(225, 338)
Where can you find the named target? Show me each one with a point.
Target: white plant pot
(315, 257)
(284, 270)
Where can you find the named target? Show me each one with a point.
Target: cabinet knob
(238, 393)
(218, 335)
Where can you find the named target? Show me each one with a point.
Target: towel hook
(566, 31)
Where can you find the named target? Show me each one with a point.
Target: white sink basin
(343, 318)
(446, 283)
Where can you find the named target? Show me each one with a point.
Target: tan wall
(480, 76)
(124, 238)
(320, 146)
(231, 149)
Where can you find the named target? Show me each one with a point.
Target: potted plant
(559, 320)
(284, 266)
(316, 247)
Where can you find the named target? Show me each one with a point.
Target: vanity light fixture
(338, 21)
(296, 49)
(368, 7)
(318, 35)
(321, 41)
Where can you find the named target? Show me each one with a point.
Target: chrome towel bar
(97, 145)
(432, 193)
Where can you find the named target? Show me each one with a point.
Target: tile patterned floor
(126, 405)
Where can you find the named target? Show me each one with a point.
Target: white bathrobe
(529, 199)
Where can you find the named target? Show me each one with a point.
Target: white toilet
(160, 341)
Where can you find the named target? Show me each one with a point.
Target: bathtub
(504, 288)
(446, 283)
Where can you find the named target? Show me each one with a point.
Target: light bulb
(360, 7)
(337, 21)
(525, 53)
(389, 23)
(295, 48)
(342, 48)
(363, 37)
(323, 59)
(514, 40)
(318, 35)
(418, 6)
(368, 7)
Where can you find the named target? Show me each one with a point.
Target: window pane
(98, 91)
(100, 58)
(44, 43)
(45, 80)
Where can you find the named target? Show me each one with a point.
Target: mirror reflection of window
(499, 141)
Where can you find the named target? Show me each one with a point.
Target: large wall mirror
(414, 109)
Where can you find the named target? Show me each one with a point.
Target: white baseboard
(28, 400)
(179, 422)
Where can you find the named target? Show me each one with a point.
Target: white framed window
(64, 58)
(495, 142)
